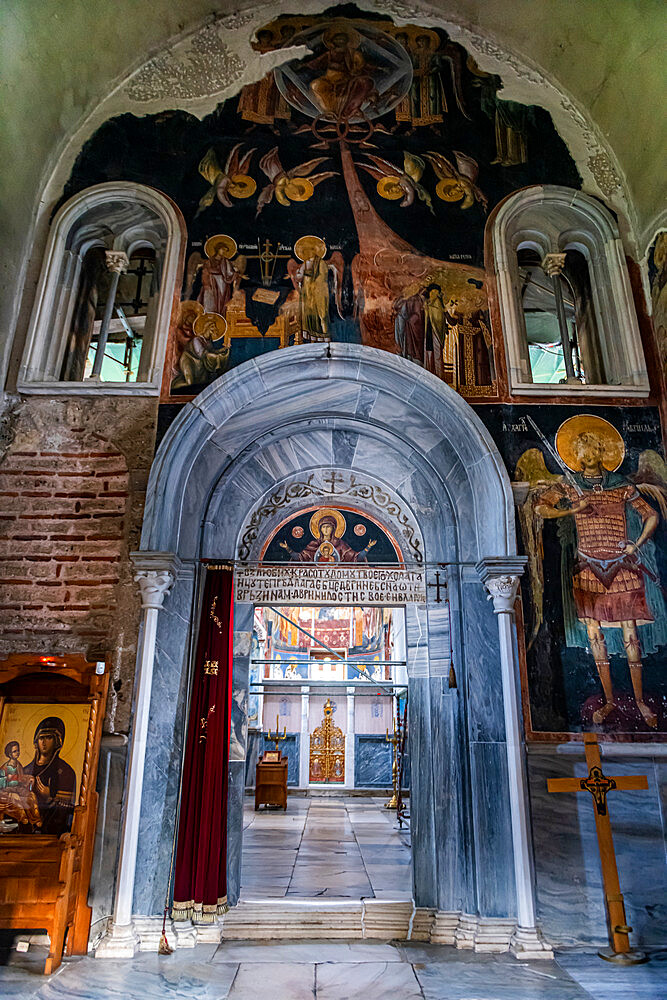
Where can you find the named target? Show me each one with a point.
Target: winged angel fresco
(612, 598)
(232, 180)
(457, 182)
(296, 184)
(394, 182)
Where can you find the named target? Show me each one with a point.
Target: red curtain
(200, 882)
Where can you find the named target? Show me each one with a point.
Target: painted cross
(599, 785)
(332, 480)
(439, 584)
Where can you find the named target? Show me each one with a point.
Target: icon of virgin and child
(327, 527)
(38, 797)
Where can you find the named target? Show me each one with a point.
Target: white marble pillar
(155, 575)
(304, 741)
(349, 740)
(501, 579)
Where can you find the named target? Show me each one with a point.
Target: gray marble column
(501, 579)
(156, 572)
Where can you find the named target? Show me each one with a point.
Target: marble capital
(502, 591)
(155, 575)
(500, 576)
(116, 261)
(553, 264)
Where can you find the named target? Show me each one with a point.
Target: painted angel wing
(264, 197)
(316, 179)
(195, 261)
(303, 169)
(467, 166)
(237, 164)
(531, 470)
(442, 166)
(292, 269)
(270, 164)
(424, 196)
(375, 172)
(387, 169)
(413, 166)
(209, 167)
(651, 478)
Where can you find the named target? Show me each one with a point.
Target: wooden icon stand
(44, 877)
(271, 773)
(599, 785)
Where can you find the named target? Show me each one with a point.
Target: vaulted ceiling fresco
(343, 197)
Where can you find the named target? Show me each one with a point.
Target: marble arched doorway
(354, 423)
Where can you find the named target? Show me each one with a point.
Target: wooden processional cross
(599, 785)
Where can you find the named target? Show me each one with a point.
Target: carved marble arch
(131, 237)
(566, 236)
(364, 503)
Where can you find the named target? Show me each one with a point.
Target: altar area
(352, 658)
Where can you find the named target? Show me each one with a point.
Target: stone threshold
(335, 793)
(364, 920)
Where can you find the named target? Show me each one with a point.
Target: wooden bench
(39, 888)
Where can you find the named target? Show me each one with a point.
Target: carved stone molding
(199, 67)
(344, 486)
(155, 575)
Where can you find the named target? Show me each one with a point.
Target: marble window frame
(58, 284)
(553, 219)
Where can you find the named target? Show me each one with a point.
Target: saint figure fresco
(327, 527)
(612, 597)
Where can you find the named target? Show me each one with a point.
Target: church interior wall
(73, 462)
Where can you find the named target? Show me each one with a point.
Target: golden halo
(389, 188)
(242, 186)
(307, 247)
(660, 250)
(449, 189)
(341, 28)
(226, 242)
(203, 321)
(299, 189)
(339, 530)
(188, 311)
(611, 440)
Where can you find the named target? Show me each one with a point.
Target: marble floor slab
(334, 847)
(324, 970)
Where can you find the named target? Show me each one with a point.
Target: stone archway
(361, 414)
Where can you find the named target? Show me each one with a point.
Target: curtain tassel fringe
(164, 948)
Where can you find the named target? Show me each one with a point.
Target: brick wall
(73, 476)
(62, 529)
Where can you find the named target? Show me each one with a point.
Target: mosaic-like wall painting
(331, 535)
(343, 197)
(591, 492)
(657, 267)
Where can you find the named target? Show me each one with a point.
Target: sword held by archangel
(556, 457)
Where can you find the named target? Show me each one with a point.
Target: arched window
(564, 295)
(103, 306)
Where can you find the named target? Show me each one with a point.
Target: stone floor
(343, 847)
(326, 970)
